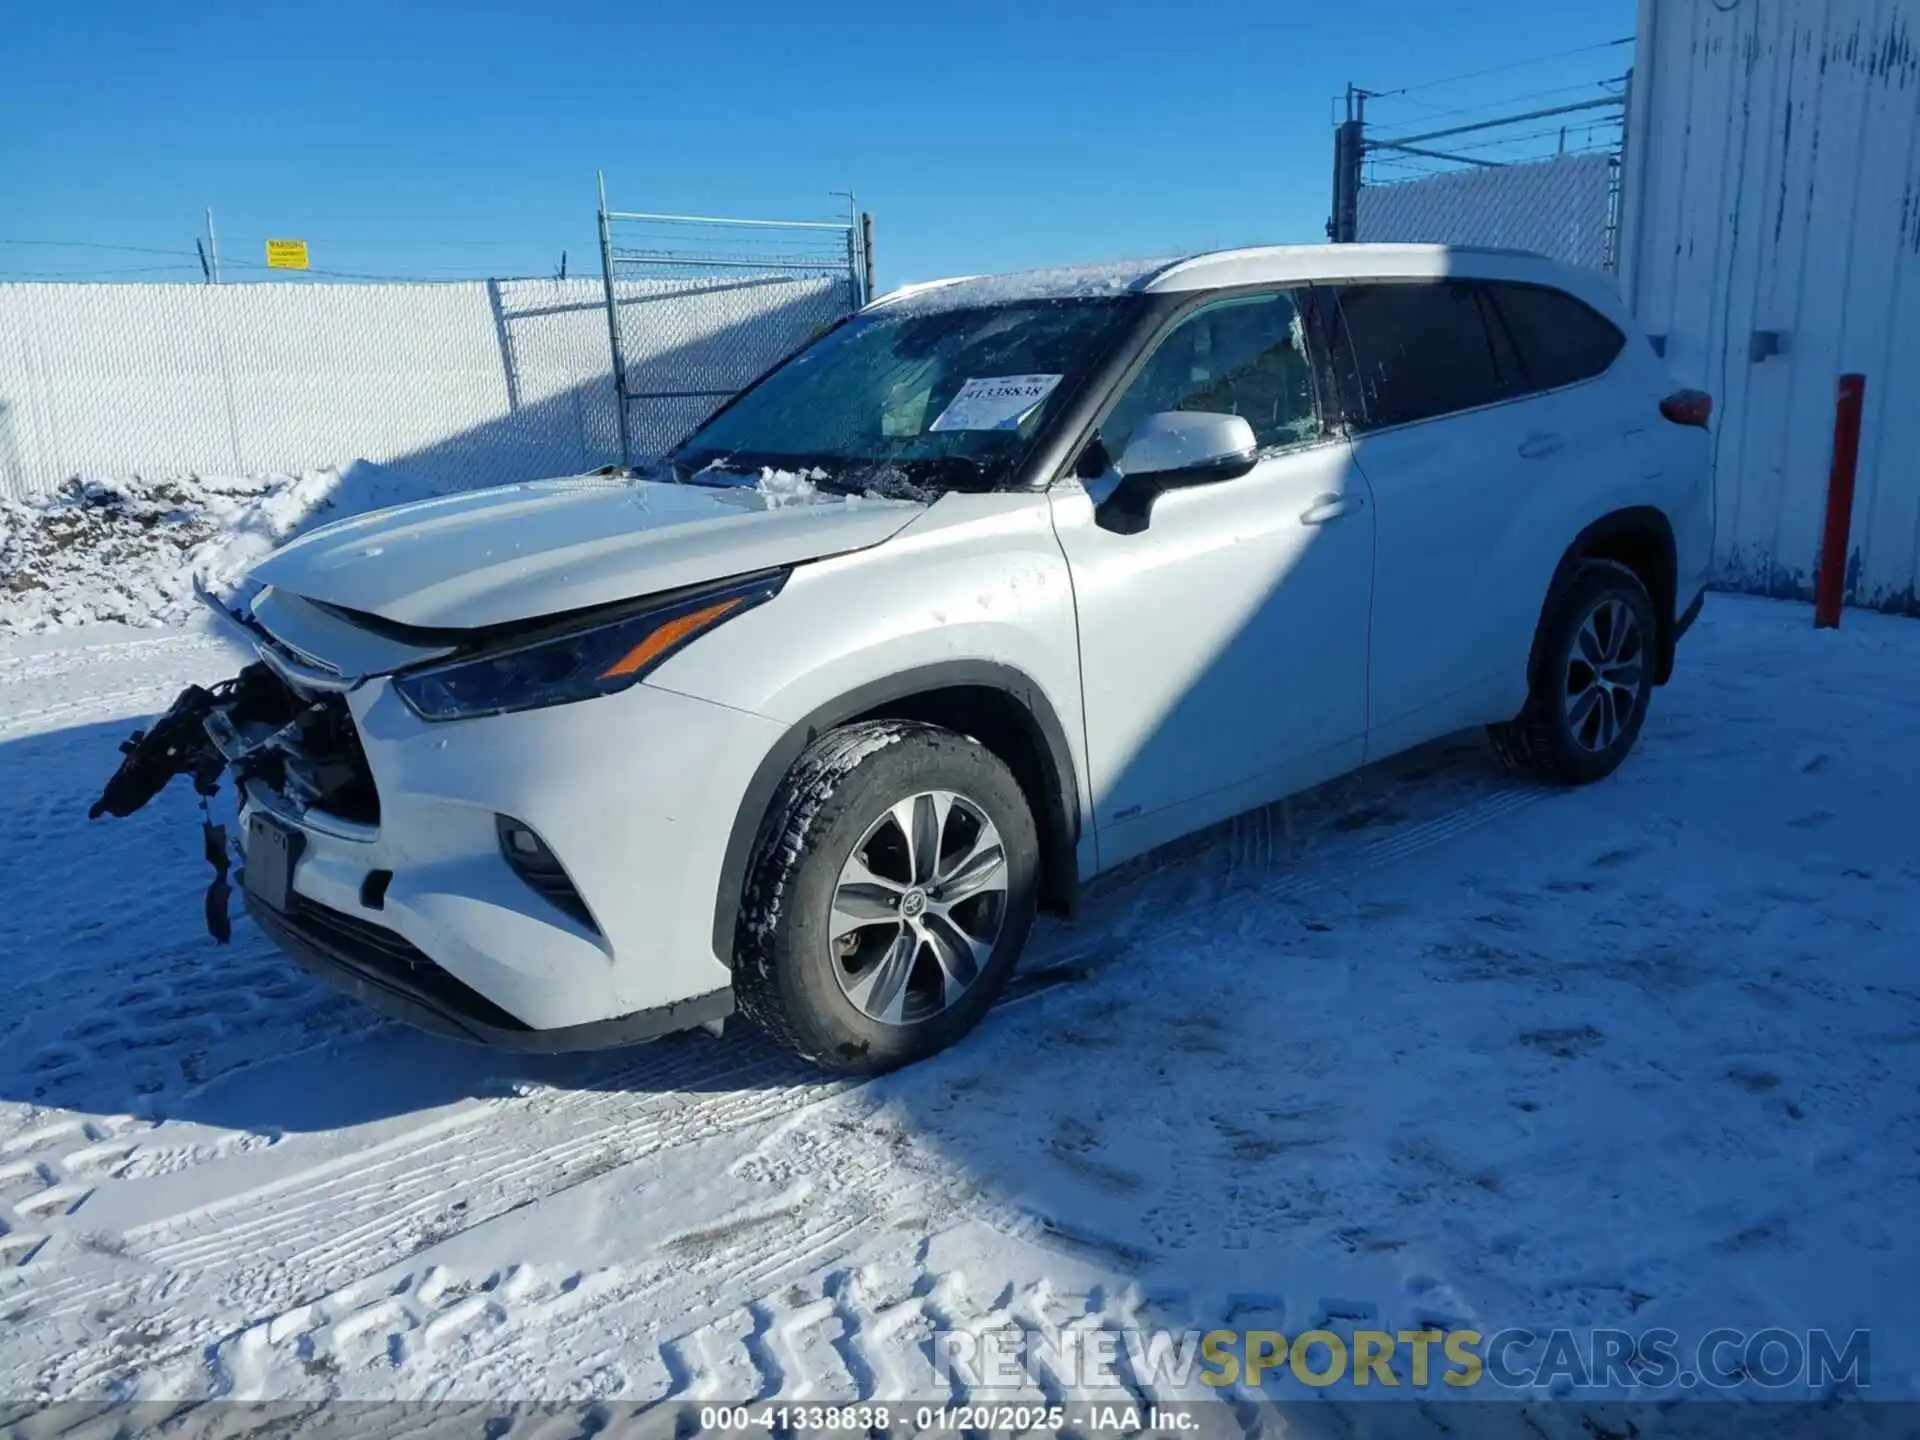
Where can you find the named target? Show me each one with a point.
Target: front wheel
(1592, 680)
(892, 889)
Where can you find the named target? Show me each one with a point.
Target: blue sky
(428, 139)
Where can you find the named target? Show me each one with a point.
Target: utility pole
(1349, 152)
(213, 245)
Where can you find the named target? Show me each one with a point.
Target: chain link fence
(1562, 208)
(699, 307)
(1487, 173)
(462, 384)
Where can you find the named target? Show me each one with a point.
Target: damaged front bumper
(263, 733)
(400, 891)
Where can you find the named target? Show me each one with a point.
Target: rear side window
(1561, 340)
(1420, 349)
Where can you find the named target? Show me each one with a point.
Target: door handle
(1330, 507)
(1535, 447)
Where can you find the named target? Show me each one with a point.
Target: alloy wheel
(1606, 674)
(918, 908)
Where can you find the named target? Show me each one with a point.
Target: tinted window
(1560, 339)
(1246, 357)
(1420, 349)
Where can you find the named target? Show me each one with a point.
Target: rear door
(1451, 461)
(1561, 345)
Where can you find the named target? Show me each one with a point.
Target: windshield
(901, 403)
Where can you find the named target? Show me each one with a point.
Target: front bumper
(386, 973)
(421, 916)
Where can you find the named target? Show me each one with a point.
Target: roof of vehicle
(1256, 265)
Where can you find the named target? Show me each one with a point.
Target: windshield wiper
(721, 475)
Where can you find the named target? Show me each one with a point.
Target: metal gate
(698, 307)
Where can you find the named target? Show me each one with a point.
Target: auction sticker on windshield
(995, 402)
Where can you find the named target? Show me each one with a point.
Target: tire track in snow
(833, 1331)
(294, 1238)
(575, 1133)
(64, 660)
(318, 1229)
(365, 1212)
(107, 705)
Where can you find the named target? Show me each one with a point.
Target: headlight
(561, 665)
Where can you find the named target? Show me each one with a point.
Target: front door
(1223, 648)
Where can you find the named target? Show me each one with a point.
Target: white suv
(997, 584)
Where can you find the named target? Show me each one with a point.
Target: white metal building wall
(480, 382)
(1771, 235)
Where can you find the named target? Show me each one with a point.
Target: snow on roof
(1254, 265)
(1259, 264)
(1059, 282)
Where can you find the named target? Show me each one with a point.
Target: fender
(1599, 541)
(1062, 827)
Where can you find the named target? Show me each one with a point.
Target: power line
(95, 245)
(1499, 69)
(1430, 112)
(1547, 133)
(362, 275)
(77, 275)
(362, 237)
(190, 260)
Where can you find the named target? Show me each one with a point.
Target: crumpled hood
(490, 557)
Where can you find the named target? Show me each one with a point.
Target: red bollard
(1830, 585)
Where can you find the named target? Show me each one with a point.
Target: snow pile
(788, 487)
(128, 549)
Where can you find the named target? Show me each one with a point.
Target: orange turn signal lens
(659, 641)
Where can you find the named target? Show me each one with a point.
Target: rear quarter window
(1420, 349)
(1560, 340)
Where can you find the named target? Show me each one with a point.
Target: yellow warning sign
(286, 254)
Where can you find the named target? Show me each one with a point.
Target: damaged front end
(291, 748)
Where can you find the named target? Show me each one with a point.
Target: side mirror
(1170, 450)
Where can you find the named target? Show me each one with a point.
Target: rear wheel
(1592, 680)
(893, 886)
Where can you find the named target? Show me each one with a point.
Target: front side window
(1420, 349)
(928, 400)
(1561, 340)
(1246, 356)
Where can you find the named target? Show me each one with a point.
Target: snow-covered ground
(127, 550)
(1430, 1047)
